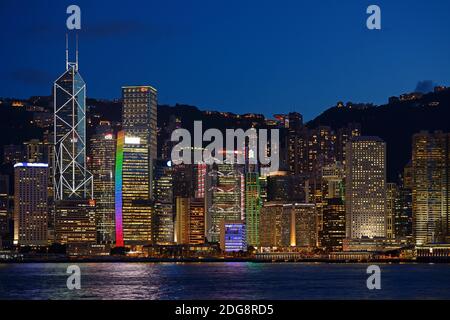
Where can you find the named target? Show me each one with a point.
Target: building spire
(76, 52)
(67, 51)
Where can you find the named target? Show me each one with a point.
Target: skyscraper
(365, 194)
(102, 166)
(4, 207)
(431, 187)
(190, 221)
(224, 197)
(30, 204)
(133, 209)
(139, 119)
(164, 203)
(253, 204)
(72, 181)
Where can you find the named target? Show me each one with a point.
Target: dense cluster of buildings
(115, 189)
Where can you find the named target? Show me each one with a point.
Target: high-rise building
(305, 225)
(102, 166)
(333, 231)
(404, 217)
(431, 187)
(190, 221)
(4, 207)
(139, 119)
(133, 207)
(30, 204)
(392, 203)
(253, 204)
(275, 226)
(72, 181)
(164, 203)
(75, 222)
(224, 197)
(365, 188)
(232, 236)
(288, 225)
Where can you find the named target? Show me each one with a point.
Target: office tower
(197, 221)
(333, 229)
(139, 119)
(224, 197)
(233, 236)
(30, 204)
(190, 221)
(275, 226)
(34, 151)
(392, 203)
(133, 207)
(403, 219)
(305, 225)
(365, 188)
(102, 166)
(328, 197)
(431, 187)
(4, 207)
(253, 205)
(75, 222)
(164, 203)
(72, 181)
(13, 154)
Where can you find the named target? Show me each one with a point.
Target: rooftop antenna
(67, 51)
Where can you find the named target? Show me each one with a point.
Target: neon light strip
(31, 164)
(118, 188)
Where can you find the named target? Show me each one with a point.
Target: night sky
(240, 56)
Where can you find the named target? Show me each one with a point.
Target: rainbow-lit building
(133, 210)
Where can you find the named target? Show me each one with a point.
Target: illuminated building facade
(72, 180)
(164, 203)
(139, 119)
(431, 187)
(304, 222)
(365, 194)
(232, 236)
(75, 222)
(30, 204)
(224, 197)
(253, 205)
(333, 230)
(275, 225)
(392, 207)
(102, 166)
(5, 214)
(190, 221)
(133, 210)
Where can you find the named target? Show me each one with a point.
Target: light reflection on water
(237, 280)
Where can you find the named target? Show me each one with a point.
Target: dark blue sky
(231, 55)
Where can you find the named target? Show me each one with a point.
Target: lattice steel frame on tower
(71, 178)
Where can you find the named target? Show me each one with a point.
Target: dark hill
(395, 122)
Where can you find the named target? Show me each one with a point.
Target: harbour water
(228, 280)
